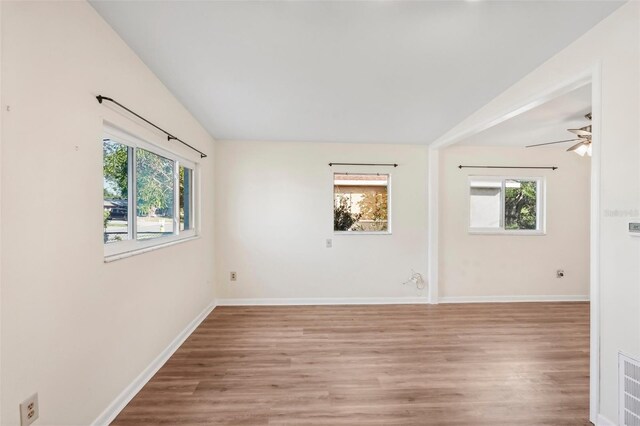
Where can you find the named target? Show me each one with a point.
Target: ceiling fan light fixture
(581, 149)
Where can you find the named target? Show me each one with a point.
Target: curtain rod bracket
(170, 137)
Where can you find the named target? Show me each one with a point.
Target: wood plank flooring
(463, 364)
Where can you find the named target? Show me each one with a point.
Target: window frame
(131, 246)
(389, 202)
(541, 213)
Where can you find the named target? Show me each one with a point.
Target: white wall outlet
(29, 410)
(233, 276)
(329, 243)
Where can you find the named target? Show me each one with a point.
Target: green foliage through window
(154, 182)
(520, 205)
(373, 207)
(343, 219)
(115, 169)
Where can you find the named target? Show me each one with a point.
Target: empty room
(320, 212)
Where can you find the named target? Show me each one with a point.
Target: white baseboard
(118, 404)
(603, 421)
(510, 299)
(392, 300)
(323, 301)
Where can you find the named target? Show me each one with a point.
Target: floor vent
(629, 391)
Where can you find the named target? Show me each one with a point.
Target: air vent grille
(629, 391)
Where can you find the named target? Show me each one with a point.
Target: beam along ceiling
(393, 72)
(546, 123)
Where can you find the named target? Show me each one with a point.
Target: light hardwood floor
(464, 364)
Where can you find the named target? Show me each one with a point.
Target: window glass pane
(186, 190)
(486, 199)
(360, 202)
(155, 199)
(520, 204)
(115, 179)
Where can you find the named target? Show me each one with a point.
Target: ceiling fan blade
(576, 146)
(583, 131)
(580, 132)
(552, 143)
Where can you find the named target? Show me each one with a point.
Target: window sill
(117, 256)
(508, 233)
(361, 233)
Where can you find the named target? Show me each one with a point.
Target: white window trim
(541, 213)
(166, 242)
(121, 249)
(389, 230)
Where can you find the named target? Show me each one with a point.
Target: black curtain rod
(364, 164)
(170, 137)
(508, 167)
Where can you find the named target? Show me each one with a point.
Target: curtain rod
(508, 167)
(170, 137)
(364, 164)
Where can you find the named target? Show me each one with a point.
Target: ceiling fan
(583, 136)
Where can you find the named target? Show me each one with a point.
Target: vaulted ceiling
(375, 71)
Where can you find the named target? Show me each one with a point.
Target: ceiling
(546, 123)
(374, 71)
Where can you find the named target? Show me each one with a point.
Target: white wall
(507, 265)
(615, 43)
(274, 213)
(75, 329)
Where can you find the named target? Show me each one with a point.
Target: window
(148, 194)
(116, 182)
(361, 203)
(155, 188)
(506, 205)
(185, 205)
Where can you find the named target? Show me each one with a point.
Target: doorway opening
(572, 105)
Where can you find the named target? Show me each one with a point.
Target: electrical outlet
(29, 410)
(233, 276)
(329, 243)
(560, 273)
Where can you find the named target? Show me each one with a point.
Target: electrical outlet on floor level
(29, 411)
(560, 273)
(233, 276)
